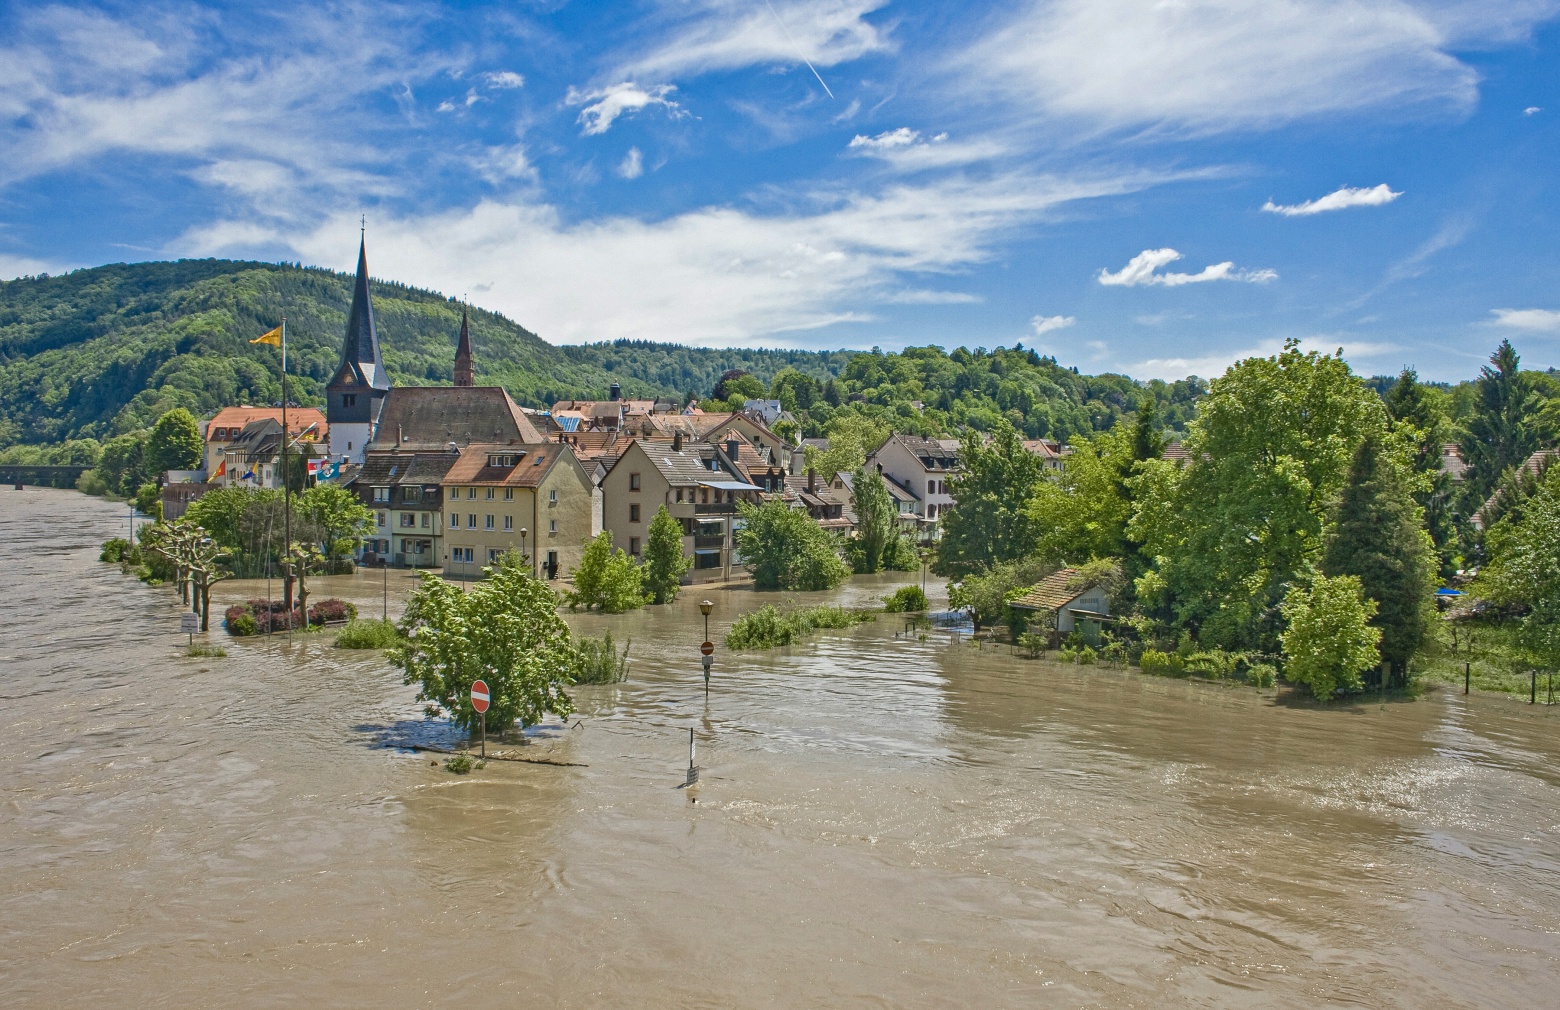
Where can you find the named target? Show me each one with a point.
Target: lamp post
(708, 648)
(523, 554)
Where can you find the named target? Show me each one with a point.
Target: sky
(1154, 187)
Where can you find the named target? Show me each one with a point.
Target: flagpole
(286, 484)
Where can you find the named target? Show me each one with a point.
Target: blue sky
(1157, 188)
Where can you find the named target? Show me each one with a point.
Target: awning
(730, 485)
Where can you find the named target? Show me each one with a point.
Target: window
(454, 520)
(425, 520)
(487, 522)
(706, 494)
(349, 399)
(465, 554)
(381, 494)
(382, 517)
(633, 482)
(931, 511)
(411, 494)
(679, 494)
(552, 526)
(633, 512)
(471, 492)
(509, 522)
(471, 521)
(633, 546)
(552, 497)
(493, 553)
(489, 494)
(931, 487)
(509, 494)
(408, 519)
(710, 559)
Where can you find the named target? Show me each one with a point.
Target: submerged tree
(607, 578)
(664, 559)
(505, 631)
(785, 548)
(880, 540)
(1329, 641)
(988, 523)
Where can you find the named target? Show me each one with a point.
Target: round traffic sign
(708, 648)
(479, 696)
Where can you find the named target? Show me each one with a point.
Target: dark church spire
(360, 361)
(463, 372)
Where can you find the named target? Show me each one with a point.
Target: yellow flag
(274, 338)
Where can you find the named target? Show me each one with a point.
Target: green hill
(106, 350)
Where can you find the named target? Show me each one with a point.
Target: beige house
(696, 489)
(533, 498)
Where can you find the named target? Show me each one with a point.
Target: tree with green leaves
(505, 631)
(1083, 512)
(1499, 435)
(1523, 571)
(1420, 411)
(1378, 536)
(880, 541)
(607, 579)
(1329, 641)
(852, 437)
(1230, 531)
(988, 522)
(174, 444)
(120, 466)
(664, 560)
(338, 518)
(785, 548)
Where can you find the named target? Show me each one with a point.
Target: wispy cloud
(633, 164)
(603, 106)
(1143, 269)
(503, 80)
(1338, 199)
(1205, 66)
(907, 150)
(1048, 324)
(730, 34)
(1532, 320)
(826, 260)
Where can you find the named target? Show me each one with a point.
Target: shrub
(207, 651)
(1087, 656)
(1033, 645)
(1261, 675)
(241, 624)
(367, 635)
(114, 550)
(332, 610)
(599, 662)
(90, 482)
(460, 764)
(767, 628)
(907, 599)
(1156, 663)
(607, 578)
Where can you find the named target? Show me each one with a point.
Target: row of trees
(1308, 508)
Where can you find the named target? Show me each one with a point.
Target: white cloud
(1533, 320)
(1532, 110)
(730, 34)
(1214, 364)
(1212, 65)
(905, 149)
(12, 267)
(503, 80)
(1047, 324)
(1144, 269)
(1338, 199)
(633, 164)
(604, 105)
(830, 259)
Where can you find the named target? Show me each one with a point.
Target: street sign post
(188, 625)
(708, 650)
(480, 697)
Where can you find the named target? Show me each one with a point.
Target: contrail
(798, 48)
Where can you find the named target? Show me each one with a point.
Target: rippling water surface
(882, 821)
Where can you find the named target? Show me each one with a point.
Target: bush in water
(906, 600)
(368, 635)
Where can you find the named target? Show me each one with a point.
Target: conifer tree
(1378, 536)
(1499, 434)
(1411, 403)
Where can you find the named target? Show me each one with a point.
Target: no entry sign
(479, 696)
(708, 648)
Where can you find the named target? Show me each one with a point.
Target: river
(881, 821)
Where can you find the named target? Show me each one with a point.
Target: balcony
(709, 543)
(720, 509)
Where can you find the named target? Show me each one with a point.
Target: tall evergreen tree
(877, 522)
(1378, 536)
(1499, 434)
(1148, 440)
(1410, 402)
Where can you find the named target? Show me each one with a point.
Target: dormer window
(503, 459)
(349, 399)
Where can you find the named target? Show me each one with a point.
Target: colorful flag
(248, 474)
(221, 470)
(314, 466)
(274, 338)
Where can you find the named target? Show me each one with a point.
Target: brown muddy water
(881, 822)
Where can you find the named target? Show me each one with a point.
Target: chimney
(812, 481)
(614, 392)
(400, 434)
(677, 441)
(731, 448)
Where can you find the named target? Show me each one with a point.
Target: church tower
(463, 373)
(356, 393)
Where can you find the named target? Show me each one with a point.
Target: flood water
(881, 821)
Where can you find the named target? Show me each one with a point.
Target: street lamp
(523, 554)
(707, 649)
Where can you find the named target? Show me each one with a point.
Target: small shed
(1079, 604)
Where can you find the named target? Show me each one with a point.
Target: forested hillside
(107, 350)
